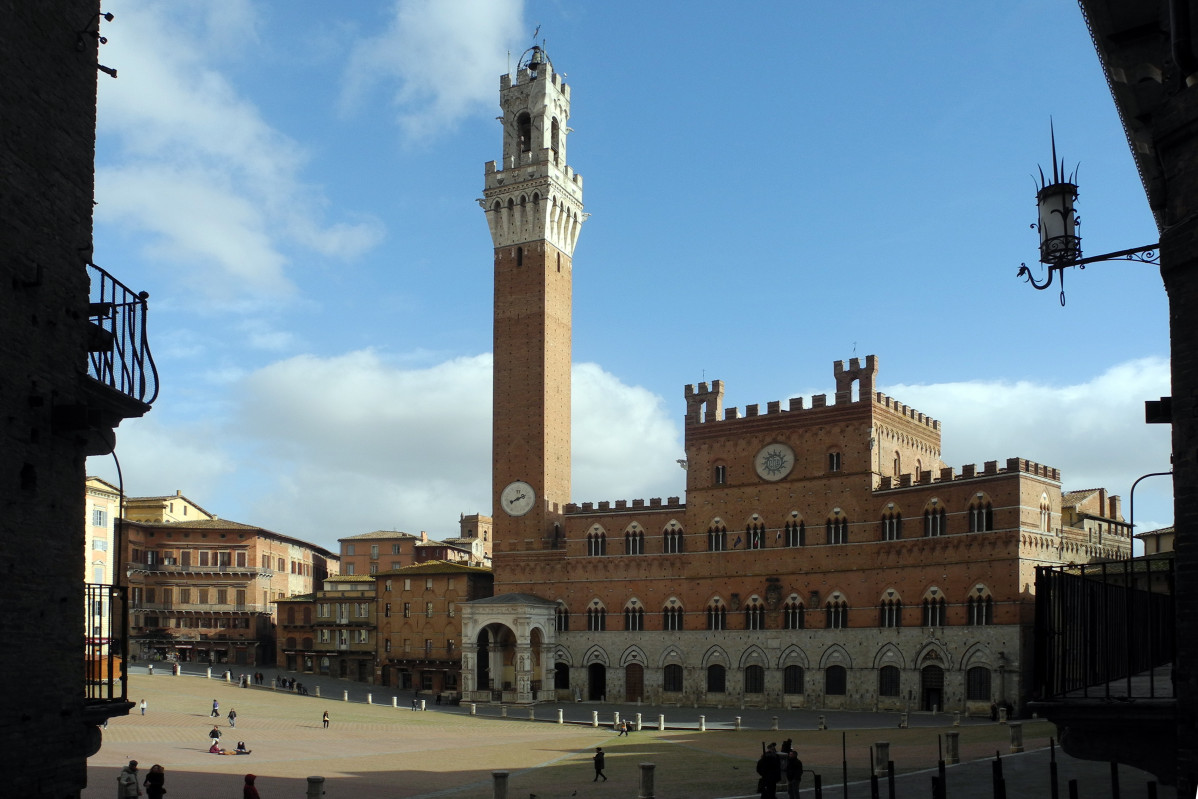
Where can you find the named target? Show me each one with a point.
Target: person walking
(324, 720)
(232, 717)
(794, 774)
(215, 709)
(770, 771)
(249, 791)
(214, 734)
(150, 669)
(599, 764)
(126, 782)
(155, 782)
(143, 707)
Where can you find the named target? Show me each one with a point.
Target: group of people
(772, 766)
(240, 750)
(155, 782)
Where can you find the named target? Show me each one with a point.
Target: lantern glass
(1058, 223)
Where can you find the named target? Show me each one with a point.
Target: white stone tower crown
(534, 195)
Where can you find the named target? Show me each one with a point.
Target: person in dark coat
(249, 791)
(599, 764)
(794, 774)
(770, 771)
(155, 782)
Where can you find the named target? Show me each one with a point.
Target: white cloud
(196, 166)
(443, 55)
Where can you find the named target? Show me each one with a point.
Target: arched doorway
(931, 688)
(596, 682)
(561, 676)
(634, 682)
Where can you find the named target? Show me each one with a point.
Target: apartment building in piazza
(332, 631)
(206, 590)
(825, 555)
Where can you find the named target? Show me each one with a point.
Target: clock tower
(533, 203)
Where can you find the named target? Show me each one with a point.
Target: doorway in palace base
(931, 688)
(596, 682)
(634, 682)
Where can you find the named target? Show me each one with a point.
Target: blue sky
(772, 187)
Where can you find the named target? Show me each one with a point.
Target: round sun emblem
(774, 462)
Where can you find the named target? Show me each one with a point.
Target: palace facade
(824, 556)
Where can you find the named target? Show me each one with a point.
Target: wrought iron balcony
(118, 349)
(104, 651)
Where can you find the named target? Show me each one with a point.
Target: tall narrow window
(672, 678)
(634, 542)
(833, 461)
(755, 616)
(981, 516)
(596, 543)
(933, 522)
(796, 534)
(1045, 514)
(892, 526)
(715, 679)
(634, 619)
(933, 612)
(519, 256)
(721, 475)
(980, 610)
(836, 681)
(792, 616)
(754, 680)
(891, 613)
(553, 139)
(524, 131)
(717, 617)
(672, 541)
(563, 619)
(888, 681)
(596, 619)
(755, 535)
(837, 612)
(837, 528)
(717, 539)
(792, 680)
(671, 617)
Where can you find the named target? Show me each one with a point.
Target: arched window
(596, 543)
(898, 464)
(519, 256)
(980, 609)
(561, 675)
(892, 525)
(634, 618)
(933, 611)
(717, 538)
(792, 680)
(792, 615)
(562, 617)
(1045, 514)
(891, 613)
(672, 540)
(838, 529)
(720, 476)
(796, 534)
(715, 679)
(837, 611)
(524, 131)
(291, 614)
(755, 616)
(934, 520)
(977, 684)
(981, 515)
(553, 138)
(833, 461)
(671, 617)
(836, 680)
(755, 535)
(888, 681)
(717, 616)
(596, 619)
(754, 680)
(672, 678)
(634, 542)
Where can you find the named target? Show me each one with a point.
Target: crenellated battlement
(623, 505)
(907, 411)
(970, 472)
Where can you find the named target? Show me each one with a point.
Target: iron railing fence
(105, 647)
(119, 352)
(1104, 630)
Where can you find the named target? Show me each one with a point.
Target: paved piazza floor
(380, 752)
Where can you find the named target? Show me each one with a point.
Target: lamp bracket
(1144, 255)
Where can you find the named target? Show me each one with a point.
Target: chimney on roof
(423, 536)
(178, 492)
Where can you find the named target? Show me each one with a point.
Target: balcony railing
(119, 351)
(171, 568)
(104, 653)
(1105, 630)
(200, 608)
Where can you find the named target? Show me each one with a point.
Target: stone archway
(634, 682)
(931, 688)
(596, 682)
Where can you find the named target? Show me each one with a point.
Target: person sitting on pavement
(241, 750)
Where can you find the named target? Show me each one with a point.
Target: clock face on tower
(517, 498)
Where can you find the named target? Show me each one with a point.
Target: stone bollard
(228, 677)
(532, 715)
(1016, 736)
(823, 723)
(395, 701)
(594, 718)
(957, 719)
(424, 704)
(904, 721)
(646, 791)
(1002, 715)
(370, 699)
(315, 787)
(499, 781)
(638, 722)
(210, 672)
(661, 722)
(935, 709)
(503, 711)
(774, 726)
(702, 723)
(561, 719)
(953, 748)
(881, 757)
(738, 723)
(317, 690)
(473, 709)
(345, 696)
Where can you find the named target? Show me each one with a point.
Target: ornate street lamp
(1057, 223)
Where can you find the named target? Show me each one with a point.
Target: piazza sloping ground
(379, 751)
